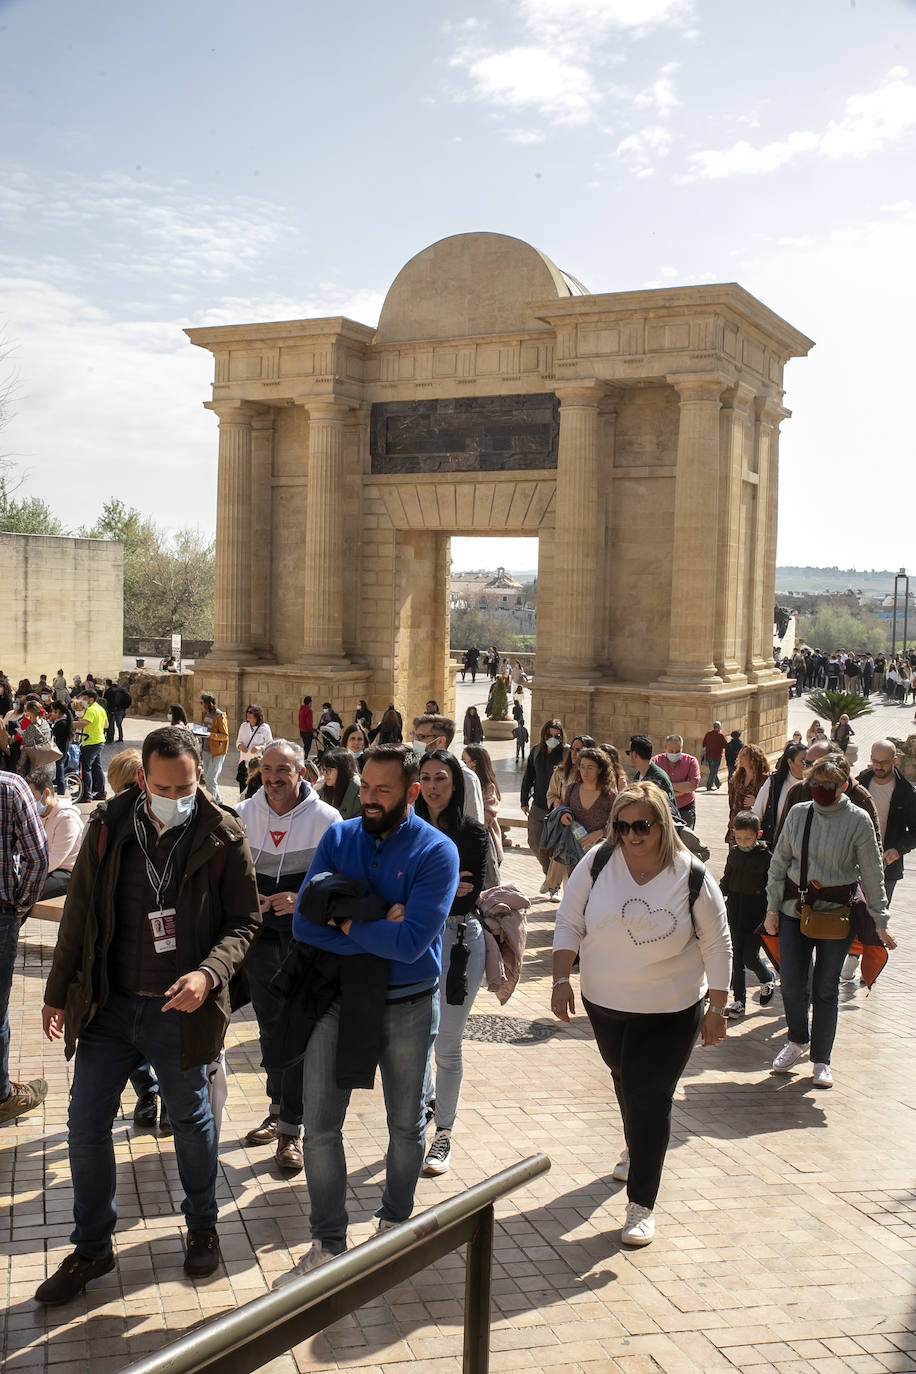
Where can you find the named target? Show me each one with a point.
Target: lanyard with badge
(162, 920)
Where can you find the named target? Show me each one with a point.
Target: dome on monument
(471, 284)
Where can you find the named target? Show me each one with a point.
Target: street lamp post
(903, 577)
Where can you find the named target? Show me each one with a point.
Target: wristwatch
(718, 1011)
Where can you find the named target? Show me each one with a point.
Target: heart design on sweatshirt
(644, 924)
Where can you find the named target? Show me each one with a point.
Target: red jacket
(306, 721)
(714, 743)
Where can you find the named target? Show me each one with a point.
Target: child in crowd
(744, 887)
(520, 735)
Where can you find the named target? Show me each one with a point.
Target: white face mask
(553, 742)
(418, 746)
(170, 811)
(672, 758)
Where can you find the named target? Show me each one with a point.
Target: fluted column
(232, 573)
(262, 446)
(324, 549)
(736, 436)
(580, 531)
(693, 546)
(760, 647)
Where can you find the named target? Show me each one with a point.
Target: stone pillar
(324, 550)
(693, 545)
(760, 665)
(580, 532)
(737, 421)
(262, 442)
(232, 573)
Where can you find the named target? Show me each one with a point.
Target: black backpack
(695, 878)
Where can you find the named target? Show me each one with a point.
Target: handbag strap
(803, 873)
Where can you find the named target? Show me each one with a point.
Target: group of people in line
(360, 907)
(490, 663)
(860, 674)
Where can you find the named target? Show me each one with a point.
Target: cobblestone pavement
(786, 1223)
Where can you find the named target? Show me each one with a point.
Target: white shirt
(881, 794)
(636, 943)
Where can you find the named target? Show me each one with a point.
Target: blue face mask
(171, 811)
(672, 758)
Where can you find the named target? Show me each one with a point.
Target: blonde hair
(122, 770)
(649, 795)
(830, 768)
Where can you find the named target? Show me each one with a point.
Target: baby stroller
(328, 736)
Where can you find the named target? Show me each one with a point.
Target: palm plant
(831, 705)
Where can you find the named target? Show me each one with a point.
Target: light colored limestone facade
(62, 606)
(636, 437)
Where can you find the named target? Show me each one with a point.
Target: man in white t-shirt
(895, 803)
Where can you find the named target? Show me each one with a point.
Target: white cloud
(531, 76)
(661, 95)
(871, 120)
(524, 136)
(574, 21)
(640, 149)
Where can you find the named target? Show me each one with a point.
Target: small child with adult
(744, 887)
(63, 826)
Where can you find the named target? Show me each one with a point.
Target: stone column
(262, 442)
(737, 421)
(580, 532)
(324, 550)
(760, 647)
(232, 574)
(693, 546)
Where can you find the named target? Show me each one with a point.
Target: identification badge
(162, 927)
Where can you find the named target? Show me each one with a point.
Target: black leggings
(646, 1054)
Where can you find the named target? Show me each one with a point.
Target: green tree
(28, 515)
(832, 627)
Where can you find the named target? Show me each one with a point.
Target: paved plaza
(786, 1221)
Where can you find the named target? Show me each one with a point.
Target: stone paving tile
(786, 1222)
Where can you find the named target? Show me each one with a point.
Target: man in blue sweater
(415, 869)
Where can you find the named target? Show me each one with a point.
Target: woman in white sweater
(647, 964)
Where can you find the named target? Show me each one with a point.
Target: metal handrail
(242, 1341)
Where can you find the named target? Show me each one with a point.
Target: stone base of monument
(498, 729)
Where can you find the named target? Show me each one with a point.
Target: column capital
(740, 396)
(700, 386)
(263, 419)
(770, 410)
(231, 412)
(580, 393)
(324, 407)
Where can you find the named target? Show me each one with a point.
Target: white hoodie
(282, 846)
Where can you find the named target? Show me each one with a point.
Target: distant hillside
(871, 581)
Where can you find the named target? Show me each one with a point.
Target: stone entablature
(655, 511)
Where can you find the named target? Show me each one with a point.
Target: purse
(40, 754)
(818, 925)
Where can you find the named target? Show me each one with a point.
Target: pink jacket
(491, 818)
(505, 932)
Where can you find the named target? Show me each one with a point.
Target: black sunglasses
(638, 827)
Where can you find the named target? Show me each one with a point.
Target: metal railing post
(477, 1295)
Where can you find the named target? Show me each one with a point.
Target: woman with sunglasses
(647, 964)
(842, 854)
(441, 803)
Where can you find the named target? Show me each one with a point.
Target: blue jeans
(213, 766)
(284, 1087)
(93, 777)
(128, 1031)
(713, 779)
(452, 1021)
(796, 952)
(9, 943)
(408, 1032)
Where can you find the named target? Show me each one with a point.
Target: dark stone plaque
(465, 434)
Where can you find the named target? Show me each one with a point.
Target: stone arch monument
(634, 433)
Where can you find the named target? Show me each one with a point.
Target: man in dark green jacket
(161, 910)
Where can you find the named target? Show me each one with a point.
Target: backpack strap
(602, 856)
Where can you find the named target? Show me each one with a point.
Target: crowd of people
(356, 902)
(894, 675)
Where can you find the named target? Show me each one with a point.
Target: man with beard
(414, 869)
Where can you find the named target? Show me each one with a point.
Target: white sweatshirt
(636, 944)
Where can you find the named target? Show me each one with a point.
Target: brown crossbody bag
(819, 925)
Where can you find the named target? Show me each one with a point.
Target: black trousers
(646, 1053)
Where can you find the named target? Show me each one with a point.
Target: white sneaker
(545, 886)
(385, 1225)
(315, 1256)
(850, 968)
(639, 1227)
(823, 1078)
(439, 1155)
(788, 1055)
(621, 1170)
(554, 895)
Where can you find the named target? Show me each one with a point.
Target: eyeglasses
(638, 827)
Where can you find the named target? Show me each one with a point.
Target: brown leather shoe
(289, 1154)
(263, 1134)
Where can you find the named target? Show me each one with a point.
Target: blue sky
(218, 163)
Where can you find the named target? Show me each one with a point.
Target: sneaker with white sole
(788, 1056)
(850, 968)
(639, 1227)
(439, 1155)
(766, 993)
(384, 1224)
(621, 1170)
(823, 1078)
(736, 1009)
(545, 887)
(315, 1256)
